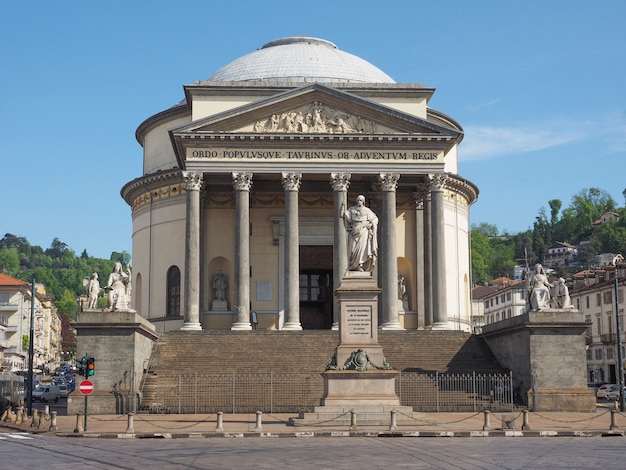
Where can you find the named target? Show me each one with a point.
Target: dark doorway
(316, 287)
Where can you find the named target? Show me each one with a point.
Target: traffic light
(91, 367)
(81, 365)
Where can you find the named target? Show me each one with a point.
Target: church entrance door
(316, 287)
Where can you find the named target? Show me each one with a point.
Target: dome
(300, 59)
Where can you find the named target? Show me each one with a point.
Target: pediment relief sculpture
(317, 119)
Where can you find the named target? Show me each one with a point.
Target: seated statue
(538, 288)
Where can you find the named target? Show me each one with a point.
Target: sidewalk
(602, 422)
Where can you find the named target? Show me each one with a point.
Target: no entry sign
(85, 387)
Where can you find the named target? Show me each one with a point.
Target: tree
(68, 304)
(9, 262)
(555, 207)
(123, 257)
(57, 248)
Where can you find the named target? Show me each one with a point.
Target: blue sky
(538, 86)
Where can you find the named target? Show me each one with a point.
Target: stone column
(340, 183)
(193, 181)
(389, 277)
(428, 258)
(242, 182)
(419, 197)
(440, 307)
(291, 183)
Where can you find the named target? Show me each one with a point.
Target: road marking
(21, 435)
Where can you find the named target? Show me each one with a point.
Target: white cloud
(485, 142)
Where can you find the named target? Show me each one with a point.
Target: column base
(439, 326)
(292, 326)
(391, 326)
(241, 326)
(191, 326)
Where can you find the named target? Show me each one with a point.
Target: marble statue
(92, 286)
(361, 224)
(538, 288)
(116, 288)
(560, 295)
(220, 284)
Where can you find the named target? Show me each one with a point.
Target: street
(39, 451)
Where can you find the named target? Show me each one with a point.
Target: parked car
(613, 393)
(601, 393)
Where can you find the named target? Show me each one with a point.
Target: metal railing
(274, 392)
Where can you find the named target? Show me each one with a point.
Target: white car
(613, 393)
(602, 391)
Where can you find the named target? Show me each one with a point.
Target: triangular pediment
(316, 109)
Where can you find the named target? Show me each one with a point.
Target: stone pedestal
(219, 305)
(359, 376)
(545, 350)
(351, 388)
(121, 344)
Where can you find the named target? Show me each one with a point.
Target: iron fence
(274, 392)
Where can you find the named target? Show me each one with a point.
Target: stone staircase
(299, 356)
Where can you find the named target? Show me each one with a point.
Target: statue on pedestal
(538, 288)
(361, 224)
(117, 288)
(92, 286)
(560, 295)
(219, 284)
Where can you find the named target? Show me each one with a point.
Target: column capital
(388, 181)
(242, 181)
(193, 180)
(291, 181)
(438, 180)
(340, 181)
(421, 195)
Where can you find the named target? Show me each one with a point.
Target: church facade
(236, 218)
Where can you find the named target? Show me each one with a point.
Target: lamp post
(31, 351)
(620, 356)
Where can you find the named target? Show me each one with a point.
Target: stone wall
(545, 350)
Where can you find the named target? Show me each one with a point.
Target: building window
(608, 298)
(508, 313)
(4, 319)
(486, 305)
(598, 352)
(578, 303)
(173, 292)
(609, 353)
(497, 301)
(4, 298)
(587, 301)
(498, 316)
(598, 300)
(620, 295)
(508, 296)
(491, 302)
(502, 298)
